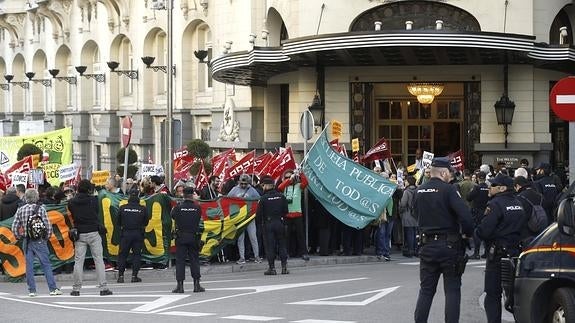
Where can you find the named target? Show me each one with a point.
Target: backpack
(36, 228)
(538, 218)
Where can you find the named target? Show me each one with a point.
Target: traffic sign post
(126, 137)
(562, 102)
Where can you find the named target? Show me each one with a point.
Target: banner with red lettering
(457, 160)
(243, 166)
(202, 177)
(261, 162)
(380, 150)
(283, 161)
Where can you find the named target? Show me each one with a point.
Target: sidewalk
(222, 268)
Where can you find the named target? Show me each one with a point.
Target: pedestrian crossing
(474, 264)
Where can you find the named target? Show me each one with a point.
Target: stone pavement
(224, 268)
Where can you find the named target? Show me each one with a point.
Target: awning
(401, 48)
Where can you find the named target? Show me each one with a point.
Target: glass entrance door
(408, 125)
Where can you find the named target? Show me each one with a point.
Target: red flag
(261, 162)
(334, 143)
(183, 161)
(21, 166)
(341, 149)
(202, 177)
(457, 160)
(223, 158)
(243, 166)
(381, 150)
(283, 161)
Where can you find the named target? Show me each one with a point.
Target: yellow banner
(57, 143)
(99, 177)
(336, 128)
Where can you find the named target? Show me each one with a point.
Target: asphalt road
(369, 292)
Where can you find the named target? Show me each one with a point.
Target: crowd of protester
(395, 231)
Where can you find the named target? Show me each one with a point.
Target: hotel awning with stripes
(402, 48)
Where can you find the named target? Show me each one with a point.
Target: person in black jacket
(272, 209)
(443, 217)
(132, 219)
(187, 217)
(549, 186)
(528, 197)
(84, 210)
(501, 229)
(9, 204)
(478, 197)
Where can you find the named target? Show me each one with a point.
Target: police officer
(187, 218)
(132, 220)
(442, 250)
(478, 197)
(272, 209)
(501, 229)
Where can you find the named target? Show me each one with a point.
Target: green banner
(349, 191)
(223, 220)
(57, 143)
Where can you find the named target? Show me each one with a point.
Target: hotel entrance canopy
(401, 48)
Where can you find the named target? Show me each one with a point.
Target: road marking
(470, 263)
(565, 99)
(259, 289)
(190, 314)
(162, 301)
(252, 318)
(140, 285)
(327, 301)
(100, 303)
(321, 321)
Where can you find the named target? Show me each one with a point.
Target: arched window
(560, 21)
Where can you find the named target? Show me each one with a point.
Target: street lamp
(68, 79)
(45, 82)
(504, 109)
(317, 110)
(132, 74)
(100, 78)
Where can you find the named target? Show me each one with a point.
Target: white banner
(426, 158)
(19, 178)
(148, 170)
(67, 172)
(37, 176)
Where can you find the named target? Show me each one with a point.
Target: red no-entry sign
(126, 130)
(562, 98)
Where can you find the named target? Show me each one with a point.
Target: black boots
(179, 288)
(197, 287)
(120, 279)
(136, 279)
(284, 268)
(270, 271)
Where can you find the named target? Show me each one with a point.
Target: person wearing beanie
(132, 220)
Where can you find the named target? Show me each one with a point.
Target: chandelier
(425, 92)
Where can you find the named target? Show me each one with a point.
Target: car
(539, 285)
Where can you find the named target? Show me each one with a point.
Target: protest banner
(349, 191)
(36, 176)
(426, 159)
(19, 178)
(99, 177)
(223, 220)
(67, 172)
(57, 144)
(148, 170)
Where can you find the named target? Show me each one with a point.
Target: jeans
(38, 249)
(251, 230)
(93, 240)
(384, 238)
(410, 233)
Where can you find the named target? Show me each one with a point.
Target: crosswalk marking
(189, 314)
(252, 318)
(321, 321)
